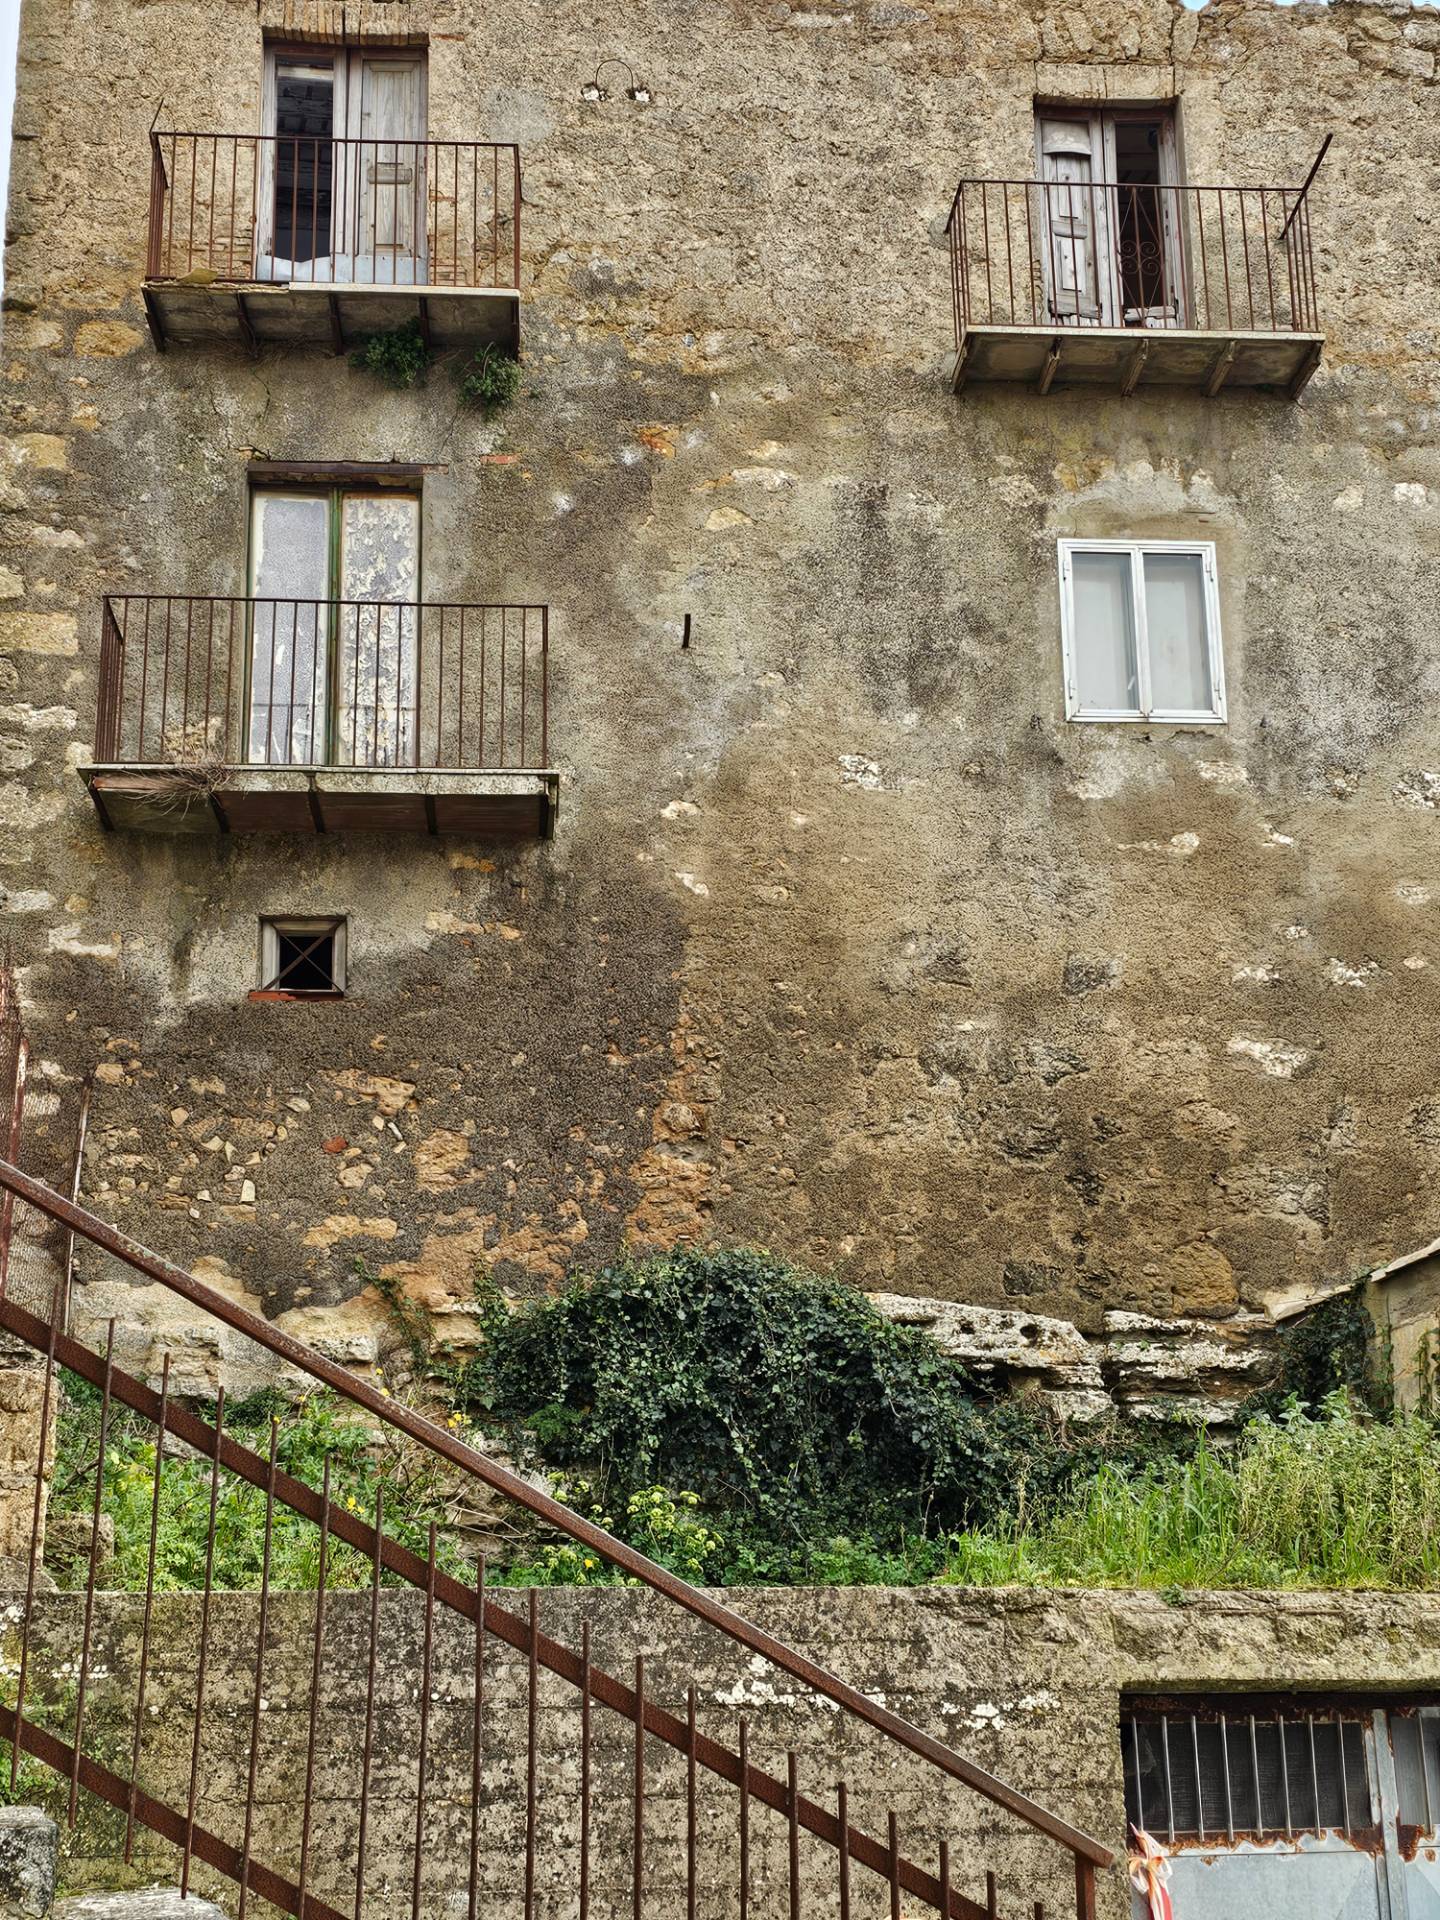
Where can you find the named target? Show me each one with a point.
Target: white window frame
(1146, 713)
(298, 926)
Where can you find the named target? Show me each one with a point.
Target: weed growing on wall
(1333, 1499)
(491, 380)
(400, 357)
(665, 1526)
(1331, 1348)
(396, 355)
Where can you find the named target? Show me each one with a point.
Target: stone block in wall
(1140, 1367)
(1186, 1369)
(22, 1400)
(150, 1322)
(29, 1841)
(1010, 1352)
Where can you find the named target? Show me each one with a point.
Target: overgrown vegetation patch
(819, 1442)
(742, 1422)
(363, 1462)
(401, 357)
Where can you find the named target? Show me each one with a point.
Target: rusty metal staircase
(594, 1830)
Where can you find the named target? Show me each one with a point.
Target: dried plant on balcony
(194, 769)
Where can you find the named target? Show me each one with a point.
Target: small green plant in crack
(491, 380)
(398, 356)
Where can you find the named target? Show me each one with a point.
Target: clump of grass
(364, 1461)
(1336, 1500)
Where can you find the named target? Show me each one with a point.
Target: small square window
(302, 959)
(1140, 621)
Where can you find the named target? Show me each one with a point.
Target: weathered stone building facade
(847, 940)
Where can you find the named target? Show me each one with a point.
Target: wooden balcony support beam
(243, 314)
(1133, 370)
(1224, 360)
(1303, 373)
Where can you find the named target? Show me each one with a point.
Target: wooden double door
(1111, 218)
(343, 186)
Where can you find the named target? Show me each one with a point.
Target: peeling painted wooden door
(289, 628)
(1074, 229)
(300, 169)
(341, 172)
(377, 650)
(391, 165)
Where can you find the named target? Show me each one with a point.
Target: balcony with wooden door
(340, 219)
(1109, 270)
(232, 714)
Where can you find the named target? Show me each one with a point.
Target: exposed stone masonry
(1138, 1367)
(1026, 1684)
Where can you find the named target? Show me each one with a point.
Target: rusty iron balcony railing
(287, 237)
(1124, 283)
(525, 1809)
(276, 703)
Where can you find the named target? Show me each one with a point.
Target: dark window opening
(1278, 1771)
(1143, 262)
(304, 158)
(302, 958)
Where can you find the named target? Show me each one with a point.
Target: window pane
(290, 579)
(378, 643)
(304, 159)
(1104, 637)
(1175, 622)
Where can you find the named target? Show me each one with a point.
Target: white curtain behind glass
(1104, 634)
(1175, 626)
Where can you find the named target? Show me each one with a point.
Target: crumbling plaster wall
(847, 942)
(1026, 1684)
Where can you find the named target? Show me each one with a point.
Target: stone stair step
(149, 1903)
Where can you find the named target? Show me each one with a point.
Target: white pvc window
(1140, 622)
